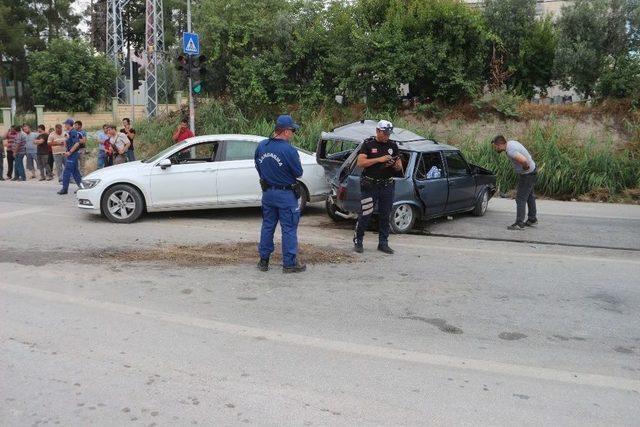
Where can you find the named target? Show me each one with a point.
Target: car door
(431, 183)
(238, 181)
(331, 154)
(190, 181)
(462, 184)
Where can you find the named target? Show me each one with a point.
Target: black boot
(298, 268)
(386, 249)
(263, 264)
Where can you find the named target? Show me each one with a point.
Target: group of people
(62, 149)
(279, 167)
(42, 150)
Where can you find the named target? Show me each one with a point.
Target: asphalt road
(470, 325)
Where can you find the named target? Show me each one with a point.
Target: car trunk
(331, 155)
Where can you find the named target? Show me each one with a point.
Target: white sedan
(203, 172)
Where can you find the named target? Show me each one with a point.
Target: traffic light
(198, 71)
(183, 63)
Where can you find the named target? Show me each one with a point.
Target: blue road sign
(190, 43)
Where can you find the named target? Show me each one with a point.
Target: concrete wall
(89, 121)
(97, 119)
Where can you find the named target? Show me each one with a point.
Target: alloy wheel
(121, 204)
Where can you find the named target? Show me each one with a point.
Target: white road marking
(437, 360)
(21, 212)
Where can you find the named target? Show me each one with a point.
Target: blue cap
(285, 121)
(69, 122)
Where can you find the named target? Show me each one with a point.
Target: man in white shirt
(120, 144)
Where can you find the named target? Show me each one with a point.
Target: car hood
(119, 170)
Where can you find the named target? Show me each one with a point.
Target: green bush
(504, 102)
(566, 168)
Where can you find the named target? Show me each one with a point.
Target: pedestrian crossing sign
(190, 43)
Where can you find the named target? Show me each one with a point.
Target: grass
(574, 158)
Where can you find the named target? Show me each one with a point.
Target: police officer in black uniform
(380, 161)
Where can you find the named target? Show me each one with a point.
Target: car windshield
(161, 154)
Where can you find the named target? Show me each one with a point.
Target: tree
(449, 45)
(593, 34)
(527, 44)
(70, 76)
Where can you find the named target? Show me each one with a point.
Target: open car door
(331, 154)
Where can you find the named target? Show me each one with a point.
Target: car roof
(224, 137)
(407, 140)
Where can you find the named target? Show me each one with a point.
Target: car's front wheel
(402, 218)
(481, 205)
(122, 204)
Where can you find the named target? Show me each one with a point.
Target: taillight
(342, 193)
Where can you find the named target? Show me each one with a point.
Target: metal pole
(131, 97)
(115, 43)
(192, 112)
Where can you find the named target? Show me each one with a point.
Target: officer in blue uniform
(378, 157)
(72, 154)
(278, 165)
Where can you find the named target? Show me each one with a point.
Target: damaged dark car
(435, 179)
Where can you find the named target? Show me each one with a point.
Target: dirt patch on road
(229, 254)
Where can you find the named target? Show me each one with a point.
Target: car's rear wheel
(481, 205)
(304, 198)
(332, 210)
(402, 218)
(122, 204)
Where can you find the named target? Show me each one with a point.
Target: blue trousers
(101, 159)
(20, 172)
(131, 155)
(370, 194)
(71, 169)
(282, 206)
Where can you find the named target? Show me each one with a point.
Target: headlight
(89, 183)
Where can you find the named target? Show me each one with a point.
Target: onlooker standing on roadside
(182, 132)
(19, 152)
(4, 141)
(103, 140)
(525, 167)
(83, 145)
(71, 154)
(57, 140)
(43, 154)
(32, 149)
(120, 144)
(131, 134)
(50, 158)
(12, 134)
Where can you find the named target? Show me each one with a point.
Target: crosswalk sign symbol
(190, 43)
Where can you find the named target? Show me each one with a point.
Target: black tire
(332, 210)
(403, 218)
(481, 205)
(304, 198)
(122, 204)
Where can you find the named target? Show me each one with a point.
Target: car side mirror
(164, 163)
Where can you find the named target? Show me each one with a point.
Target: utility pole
(192, 113)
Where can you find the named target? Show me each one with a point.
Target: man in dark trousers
(379, 160)
(525, 168)
(71, 168)
(278, 165)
